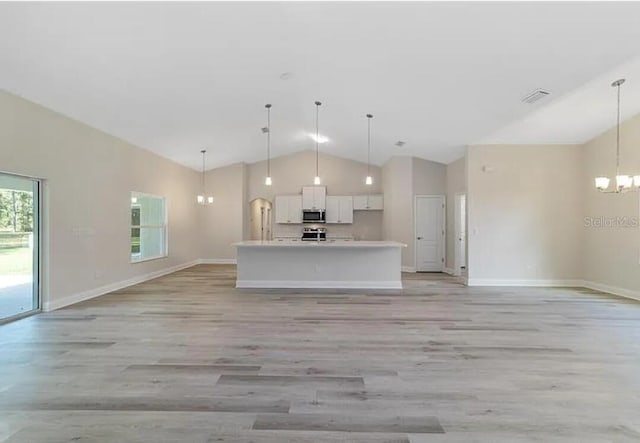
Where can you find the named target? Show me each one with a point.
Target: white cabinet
(368, 202)
(313, 197)
(288, 209)
(339, 209)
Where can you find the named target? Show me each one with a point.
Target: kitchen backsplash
(367, 225)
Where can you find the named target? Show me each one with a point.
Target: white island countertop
(321, 244)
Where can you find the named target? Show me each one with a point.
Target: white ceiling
(176, 77)
(579, 115)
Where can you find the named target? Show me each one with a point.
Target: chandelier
(624, 183)
(202, 198)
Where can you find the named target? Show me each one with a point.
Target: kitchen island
(328, 264)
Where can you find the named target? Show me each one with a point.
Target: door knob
(419, 238)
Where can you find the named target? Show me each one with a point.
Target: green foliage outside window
(16, 211)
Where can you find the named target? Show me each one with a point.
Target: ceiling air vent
(400, 144)
(534, 96)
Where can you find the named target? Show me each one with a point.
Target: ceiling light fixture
(369, 179)
(267, 180)
(319, 138)
(316, 180)
(624, 183)
(201, 198)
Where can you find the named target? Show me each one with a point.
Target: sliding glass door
(19, 241)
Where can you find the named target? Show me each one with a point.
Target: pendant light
(624, 183)
(267, 180)
(316, 180)
(201, 197)
(369, 179)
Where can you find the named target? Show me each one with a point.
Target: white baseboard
(622, 292)
(218, 261)
(524, 282)
(413, 269)
(290, 284)
(96, 292)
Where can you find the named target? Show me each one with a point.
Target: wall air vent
(534, 96)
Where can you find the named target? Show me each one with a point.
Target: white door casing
(429, 233)
(460, 240)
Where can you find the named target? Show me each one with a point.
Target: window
(148, 227)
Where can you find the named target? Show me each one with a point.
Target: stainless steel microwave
(313, 216)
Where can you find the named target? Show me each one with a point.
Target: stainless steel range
(314, 234)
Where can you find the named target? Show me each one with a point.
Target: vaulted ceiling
(176, 77)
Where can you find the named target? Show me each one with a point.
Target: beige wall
(456, 184)
(403, 179)
(611, 255)
(224, 220)
(234, 187)
(535, 230)
(397, 176)
(88, 179)
(341, 177)
(524, 213)
(429, 178)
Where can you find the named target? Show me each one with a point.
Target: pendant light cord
(369, 117)
(317, 139)
(618, 135)
(268, 140)
(203, 166)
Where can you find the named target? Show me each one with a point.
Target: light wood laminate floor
(188, 358)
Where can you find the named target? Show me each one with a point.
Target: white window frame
(164, 227)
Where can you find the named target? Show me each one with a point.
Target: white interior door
(268, 222)
(429, 222)
(260, 210)
(460, 247)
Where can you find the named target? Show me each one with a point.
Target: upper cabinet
(313, 197)
(339, 209)
(288, 209)
(368, 202)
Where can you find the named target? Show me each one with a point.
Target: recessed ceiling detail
(198, 73)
